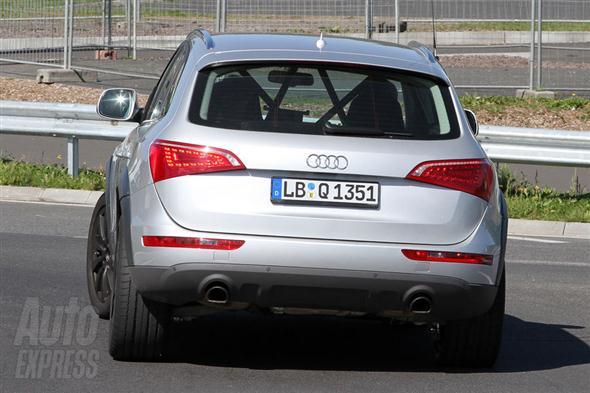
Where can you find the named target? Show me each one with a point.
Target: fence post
(539, 44)
(128, 17)
(397, 21)
(223, 15)
(368, 19)
(104, 24)
(109, 24)
(135, 18)
(217, 16)
(70, 35)
(73, 156)
(220, 17)
(66, 32)
(532, 50)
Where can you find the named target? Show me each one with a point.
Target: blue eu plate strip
(276, 189)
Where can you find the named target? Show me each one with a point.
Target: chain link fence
(483, 44)
(565, 54)
(33, 31)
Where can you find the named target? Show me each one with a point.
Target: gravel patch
(30, 90)
(536, 118)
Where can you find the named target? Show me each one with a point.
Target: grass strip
(18, 173)
(550, 207)
(533, 202)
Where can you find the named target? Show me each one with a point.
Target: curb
(548, 228)
(82, 197)
(55, 195)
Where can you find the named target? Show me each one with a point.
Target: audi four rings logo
(323, 161)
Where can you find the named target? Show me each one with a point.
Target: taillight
(192, 242)
(475, 176)
(172, 159)
(446, 256)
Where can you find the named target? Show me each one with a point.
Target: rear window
(323, 100)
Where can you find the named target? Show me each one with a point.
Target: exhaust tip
(217, 294)
(420, 305)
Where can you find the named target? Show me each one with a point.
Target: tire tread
(473, 342)
(138, 325)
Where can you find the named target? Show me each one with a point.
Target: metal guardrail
(536, 146)
(76, 121)
(70, 121)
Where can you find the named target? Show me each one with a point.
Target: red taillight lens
(172, 159)
(192, 242)
(446, 256)
(475, 176)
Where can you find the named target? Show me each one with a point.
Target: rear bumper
(375, 293)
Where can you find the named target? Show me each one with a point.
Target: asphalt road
(42, 256)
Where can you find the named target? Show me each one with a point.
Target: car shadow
(323, 343)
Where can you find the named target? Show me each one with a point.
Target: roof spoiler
(424, 51)
(204, 35)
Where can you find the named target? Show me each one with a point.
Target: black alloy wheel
(99, 262)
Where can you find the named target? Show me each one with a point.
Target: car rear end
(318, 187)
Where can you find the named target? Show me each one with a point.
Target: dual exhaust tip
(217, 293)
(420, 304)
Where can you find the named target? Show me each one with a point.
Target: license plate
(322, 192)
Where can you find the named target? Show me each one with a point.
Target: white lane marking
(47, 203)
(548, 263)
(533, 239)
(80, 237)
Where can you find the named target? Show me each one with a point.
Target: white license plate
(322, 192)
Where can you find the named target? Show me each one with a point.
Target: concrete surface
(525, 93)
(58, 75)
(549, 228)
(59, 195)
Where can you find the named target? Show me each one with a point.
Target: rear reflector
(475, 176)
(192, 242)
(445, 256)
(172, 159)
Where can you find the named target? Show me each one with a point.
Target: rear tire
(474, 342)
(138, 326)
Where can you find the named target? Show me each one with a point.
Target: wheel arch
(118, 205)
(504, 240)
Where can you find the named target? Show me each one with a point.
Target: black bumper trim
(330, 289)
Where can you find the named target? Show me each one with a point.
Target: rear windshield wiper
(330, 129)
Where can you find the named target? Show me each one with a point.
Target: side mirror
(117, 104)
(472, 120)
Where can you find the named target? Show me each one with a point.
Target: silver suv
(299, 175)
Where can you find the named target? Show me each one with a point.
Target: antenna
(433, 29)
(320, 43)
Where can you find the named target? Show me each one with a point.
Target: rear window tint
(323, 100)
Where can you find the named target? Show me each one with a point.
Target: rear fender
(125, 227)
(504, 211)
(111, 200)
(117, 200)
